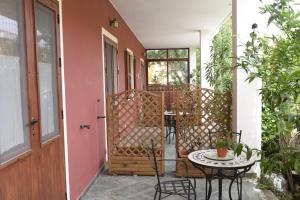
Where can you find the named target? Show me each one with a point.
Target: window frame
(167, 60)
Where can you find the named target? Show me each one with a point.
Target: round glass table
(233, 167)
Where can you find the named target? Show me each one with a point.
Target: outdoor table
(239, 165)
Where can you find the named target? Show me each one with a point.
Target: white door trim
(66, 149)
(107, 34)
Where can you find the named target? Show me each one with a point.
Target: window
(168, 66)
(129, 70)
(14, 114)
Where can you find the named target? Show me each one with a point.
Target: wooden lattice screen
(134, 118)
(199, 111)
(170, 93)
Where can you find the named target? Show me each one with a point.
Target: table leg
(208, 183)
(220, 188)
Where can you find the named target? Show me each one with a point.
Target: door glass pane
(157, 73)
(14, 123)
(178, 72)
(109, 79)
(47, 59)
(115, 69)
(142, 75)
(132, 73)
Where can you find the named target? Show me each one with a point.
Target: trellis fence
(134, 118)
(197, 112)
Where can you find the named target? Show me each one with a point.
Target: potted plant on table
(222, 147)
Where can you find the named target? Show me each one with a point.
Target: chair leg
(155, 194)
(159, 196)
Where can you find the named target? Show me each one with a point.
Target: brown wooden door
(32, 162)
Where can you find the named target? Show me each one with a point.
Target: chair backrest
(152, 158)
(215, 135)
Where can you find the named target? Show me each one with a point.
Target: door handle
(101, 117)
(33, 121)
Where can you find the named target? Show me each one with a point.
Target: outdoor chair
(183, 187)
(234, 137)
(170, 123)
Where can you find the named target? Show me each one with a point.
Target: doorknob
(101, 117)
(33, 121)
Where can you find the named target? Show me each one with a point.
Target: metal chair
(183, 187)
(213, 136)
(170, 123)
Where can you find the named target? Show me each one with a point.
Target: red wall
(82, 24)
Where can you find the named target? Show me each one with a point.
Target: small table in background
(239, 165)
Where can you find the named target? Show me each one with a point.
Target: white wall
(247, 103)
(205, 43)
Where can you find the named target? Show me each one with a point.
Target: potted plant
(222, 147)
(183, 153)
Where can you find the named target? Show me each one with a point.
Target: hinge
(58, 19)
(62, 114)
(59, 62)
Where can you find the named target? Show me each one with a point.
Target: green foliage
(265, 183)
(218, 71)
(222, 143)
(275, 60)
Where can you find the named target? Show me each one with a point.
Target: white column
(247, 105)
(205, 43)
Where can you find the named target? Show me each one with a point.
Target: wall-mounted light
(114, 23)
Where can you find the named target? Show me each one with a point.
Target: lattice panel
(170, 94)
(198, 111)
(134, 118)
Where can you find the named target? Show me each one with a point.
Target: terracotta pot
(183, 153)
(222, 152)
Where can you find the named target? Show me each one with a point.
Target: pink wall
(82, 23)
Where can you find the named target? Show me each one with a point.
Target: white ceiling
(172, 23)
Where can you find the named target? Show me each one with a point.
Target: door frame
(106, 34)
(64, 104)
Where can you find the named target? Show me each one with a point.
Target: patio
(107, 187)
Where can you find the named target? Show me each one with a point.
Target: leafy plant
(223, 143)
(218, 71)
(275, 60)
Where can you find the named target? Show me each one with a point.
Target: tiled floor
(108, 187)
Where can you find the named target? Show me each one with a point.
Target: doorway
(32, 162)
